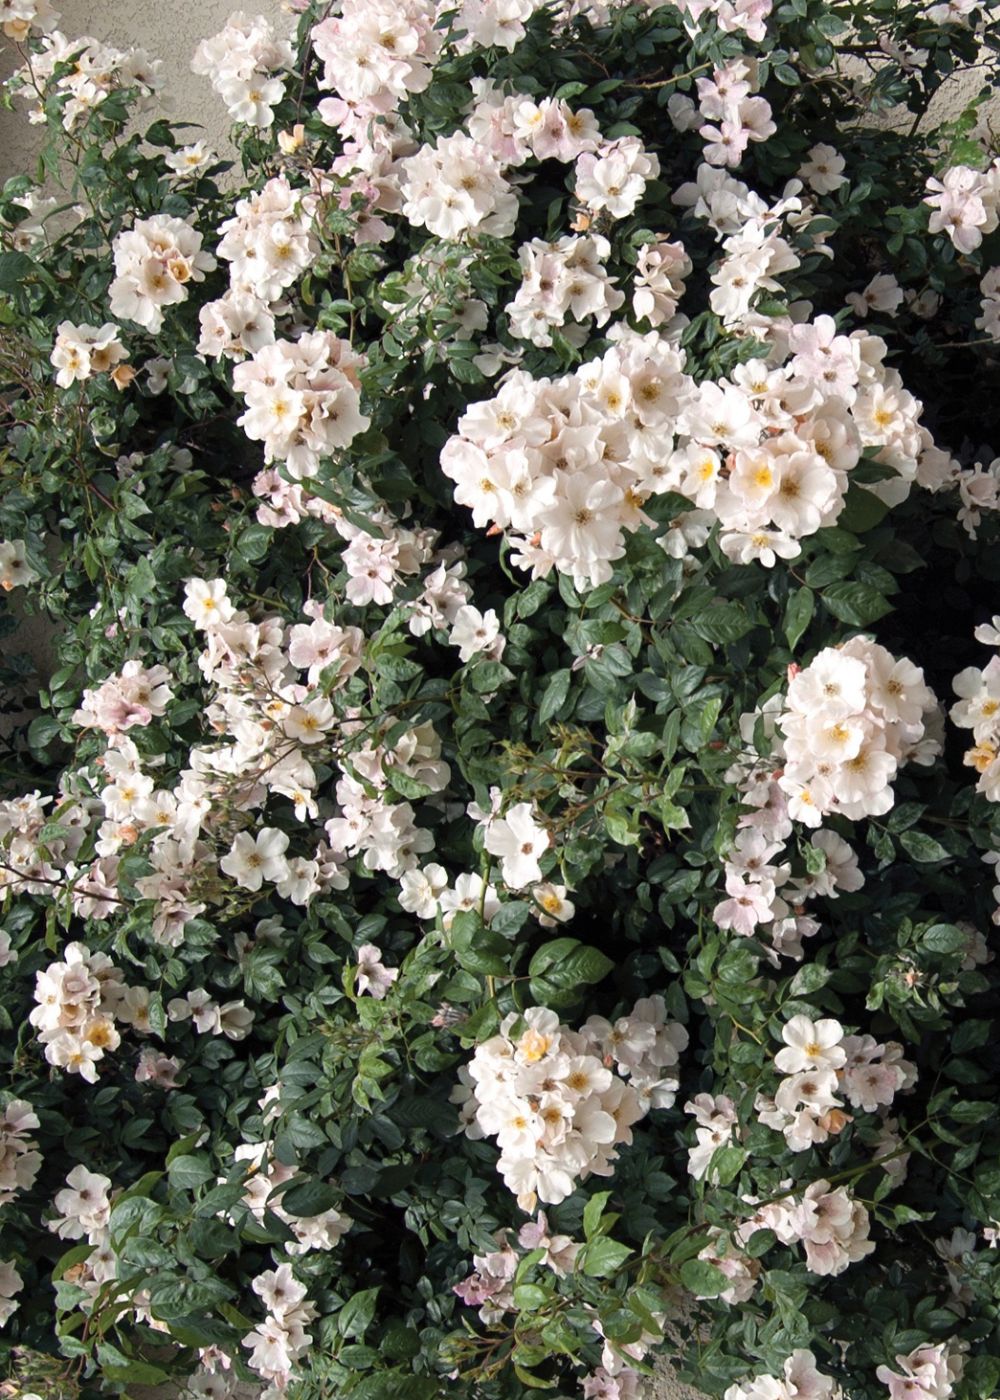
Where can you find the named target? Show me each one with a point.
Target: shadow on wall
(167, 32)
(948, 102)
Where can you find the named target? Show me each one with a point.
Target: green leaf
(759, 1243)
(906, 1215)
(533, 597)
(968, 152)
(406, 786)
(527, 1263)
(41, 732)
(972, 1111)
(70, 1259)
(982, 1374)
(400, 1343)
(487, 676)
(189, 1171)
(176, 1297)
(815, 859)
(141, 585)
(142, 1187)
(394, 1385)
(356, 1314)
(146, 1253)
(855, 603)
(529, 1297)
(593, 1211)
(358, 1357)
(970, 1035)
(922, 848)
(904, 815)
(566, 962)
(136, 1213)
(253, 542)
(530, 1380)
(722, 622)
(482, 961)
(737, 966)
(862, 511)
(554, 695)
(673, 818)
(181, 1147)
(809, 979)
(135, 1373)
(726, 1164)
(944, 938)
(702, 1279)
(220, 1198)
(194, 1331)
(798, 615)
(394, 665)
(309, 1198)
(700, 718)
(15, 269)
(603, 1257)
(212, 1239)
(510, 917)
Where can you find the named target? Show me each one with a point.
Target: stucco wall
(169, 32)
(948, 102)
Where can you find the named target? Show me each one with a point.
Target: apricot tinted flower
(800, 1380)
(254, 859)
(189, 161)
(15, 571)
(613, 178)
(553, 906)
(373, 976)
(11, 1284)
(205, 602)
(474, 632)
(823, 170)
(81, 351)
(929, 1372)
(518, 841)
(242, 62)
(748, 905)
(810, 1045)
(83, 1204)
(455, 186)
(883, 293)
(965, 205)
(154, 261)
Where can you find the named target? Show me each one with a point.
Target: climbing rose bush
(495, 883)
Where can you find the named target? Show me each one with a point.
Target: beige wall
(948, 102)
(169, 32)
